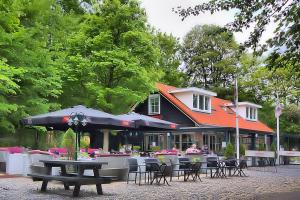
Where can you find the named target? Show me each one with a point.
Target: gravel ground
(260, 184)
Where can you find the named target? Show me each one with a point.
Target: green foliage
(229, 151)
(170, 59)
(136, 148)
(68, 142)
(259, 14)
(261, 147)
(84, 143)
(273, 147)
(115, 59)
(155, 148)
(242, 150)
(210, 53)
(290, 119)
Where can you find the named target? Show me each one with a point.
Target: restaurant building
(204, 120)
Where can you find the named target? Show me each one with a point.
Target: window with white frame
(251, 113)
(201, 103)
(195, 101)
(154, 104)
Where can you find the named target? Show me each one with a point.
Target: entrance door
(213, 141)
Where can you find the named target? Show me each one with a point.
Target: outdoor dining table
(81, 166)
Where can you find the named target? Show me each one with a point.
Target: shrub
(242, 150)
(84, 144)
(229, 151)
(136, 148)
(68, 142)
(261, 147)
(155, 148)
(273, 147)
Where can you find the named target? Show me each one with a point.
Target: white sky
(160, 16)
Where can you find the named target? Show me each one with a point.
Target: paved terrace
(261, 184)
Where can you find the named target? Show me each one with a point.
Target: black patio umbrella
(80, 118)
(88, 118)
(146, 123)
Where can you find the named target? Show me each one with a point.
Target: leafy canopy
(284, 14)
(210, 53)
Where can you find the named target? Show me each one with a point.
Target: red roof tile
(218, 117)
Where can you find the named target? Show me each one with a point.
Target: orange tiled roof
(218, 117)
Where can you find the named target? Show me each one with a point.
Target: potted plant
(242, 150)
(261, 162)
(155, 148)
(136, 150)
(68, 141)
(229, 151)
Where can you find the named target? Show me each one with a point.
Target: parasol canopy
(93, 119)
(144, 122)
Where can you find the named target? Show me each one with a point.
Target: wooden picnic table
(70, 179)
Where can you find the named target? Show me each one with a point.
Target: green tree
(31, 35)
(9, 78)
(210, 53)
(170, 59)
(285, 15)
(111, 57)
(290, 120)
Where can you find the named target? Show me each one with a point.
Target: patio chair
(242, 164)
(149, 167)
(230, 164)
(182, 166)
(134, 168)
(194, 171)
(156, 170)
(212, 164)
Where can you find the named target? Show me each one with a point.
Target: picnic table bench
(73, 179)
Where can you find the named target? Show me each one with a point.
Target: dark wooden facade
(168, 112)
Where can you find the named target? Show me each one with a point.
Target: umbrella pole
(76, 143)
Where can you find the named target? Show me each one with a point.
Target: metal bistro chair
(157, 171)
(183, 166)
(194, 171)
(242, 164)
(212, 164)
(230, 164)
(149, 168)
(134, 168)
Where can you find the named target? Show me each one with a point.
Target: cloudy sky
(160, 16)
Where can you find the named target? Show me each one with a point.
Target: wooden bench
(73, 181)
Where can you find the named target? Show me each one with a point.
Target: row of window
(201, 102)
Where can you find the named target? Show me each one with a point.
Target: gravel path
(260, 184)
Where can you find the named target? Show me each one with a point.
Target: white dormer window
(251, 113)
(194, 98)
(201, 103)
(195, 101)
(154, 104)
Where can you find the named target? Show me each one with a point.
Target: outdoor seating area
(154, 170)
